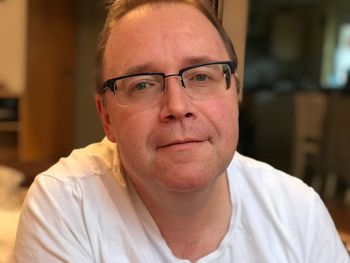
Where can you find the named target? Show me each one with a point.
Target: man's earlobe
(104, 117)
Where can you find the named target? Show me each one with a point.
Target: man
(166, 184)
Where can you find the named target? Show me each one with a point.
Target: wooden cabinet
(44, 129)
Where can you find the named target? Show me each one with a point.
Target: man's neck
(193, 224)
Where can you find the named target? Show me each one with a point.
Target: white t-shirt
(82, 210)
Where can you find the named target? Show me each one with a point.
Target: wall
(13, 17)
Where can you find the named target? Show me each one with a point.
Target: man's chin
(186, 181)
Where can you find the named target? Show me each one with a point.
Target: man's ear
(104, 117)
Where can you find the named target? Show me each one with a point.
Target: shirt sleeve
(324, 241)
(52, 227)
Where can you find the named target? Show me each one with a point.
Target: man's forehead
(152, 67)
(170, 10)
(166, 6)
(145, 37)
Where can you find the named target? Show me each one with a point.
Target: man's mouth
(180, 143)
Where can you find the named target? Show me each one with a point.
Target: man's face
(181, 144)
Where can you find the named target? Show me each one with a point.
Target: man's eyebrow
(138, 69)
(197, 60)
(150, 67)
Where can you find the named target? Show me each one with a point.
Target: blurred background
(295, 108)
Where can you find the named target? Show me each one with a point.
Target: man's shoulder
(279, 210)
(261, 171)
(263, 180)
(86, 175)
(93, 160)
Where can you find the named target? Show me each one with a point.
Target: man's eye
(200, 77)
(141, 86)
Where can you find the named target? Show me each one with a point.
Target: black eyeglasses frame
(110, 83)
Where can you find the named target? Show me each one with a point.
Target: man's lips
(179, 143)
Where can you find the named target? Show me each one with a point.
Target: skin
(175, 153)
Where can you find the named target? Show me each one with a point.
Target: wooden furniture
(310, 109)
(336, 147)
(322, 141)
(44, 130)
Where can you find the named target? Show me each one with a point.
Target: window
(341, 67)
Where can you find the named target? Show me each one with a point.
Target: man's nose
(175, 103)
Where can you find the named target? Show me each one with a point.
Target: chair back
(336, 150)
(309, 115)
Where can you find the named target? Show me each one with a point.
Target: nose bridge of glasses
(178, 75)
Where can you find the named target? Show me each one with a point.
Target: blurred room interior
(295, 110)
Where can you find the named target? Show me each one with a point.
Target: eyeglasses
(200, 82)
